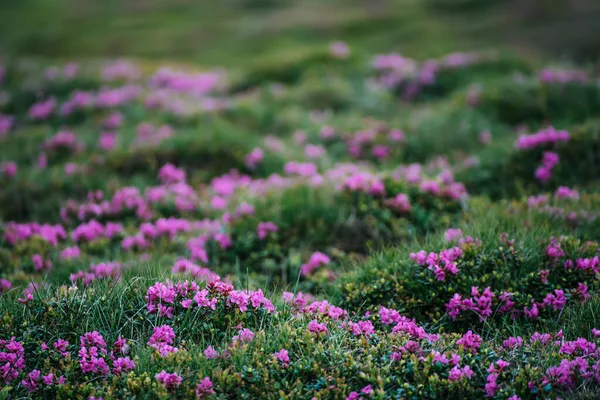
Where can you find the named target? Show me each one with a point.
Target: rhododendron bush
(351, 226)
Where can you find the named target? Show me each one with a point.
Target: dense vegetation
(343, 225)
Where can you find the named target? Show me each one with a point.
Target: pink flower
(361, 328)
(317, 259)
(201, 298)
(543, 174)
(458, 373)
(339, 49)
(42, 110)
(397, 135)
(327, 132)
(300, 169)
(264, 228)
(491, 387)
(564, 192)
(9, 169)
(107, 141)
(162, 340)
(531, 313)
(550, 159)
(61, 346)
(169, 381)
(113, 121)
(556, 300)
(12, 359)
(123, 364)
(470, 341)
(210, 353)
(40, 264)
(92, 354)
(70, 253)
(553, 250)
(171, 174)
(283, 357)
(381, 151)
(244, 336)
(42, 161)
(48, 379)
(218, 203)
(485, 137)
(204, 388)
(545, 136)
(452, 234)
(400, 203)
(317, 328)
(254, 158)
(314, 151)
(32, 380)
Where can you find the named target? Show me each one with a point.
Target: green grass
(213, 33)
(282, 80)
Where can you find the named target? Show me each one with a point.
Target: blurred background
(230, 32)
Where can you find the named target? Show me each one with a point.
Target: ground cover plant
(346, 224)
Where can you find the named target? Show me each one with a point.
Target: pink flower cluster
(470, 341)
(15, 233)
(339, 49)
(366, 391)
(543, 137)
(105, 270)
(162, 340)
(204, 388)
(457, 373)
(163, 297)
(70, 253)
(283, 357)
(563, 193)
(39, 264)
(544, 172)
(171, 174)
(197, 85)
(364, 328)
(35, 377)
(264, 228)
(244, 336)
(12, 360)
(121, 70)
(9, 169)
(317, 328)
(403, 325)
(183, 266)
(551, 75)
(171, 381)
(92, 230)
(6, 124)
(441, 264)
(300, 169)
(316, 260)
(400, 203)
(364, 182)
(43, 109)
(452, 234)
(254, 158)
(63, 140)
(305, 304)
(480, 303)
(92, 354)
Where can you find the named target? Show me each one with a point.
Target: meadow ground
(248, 207)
